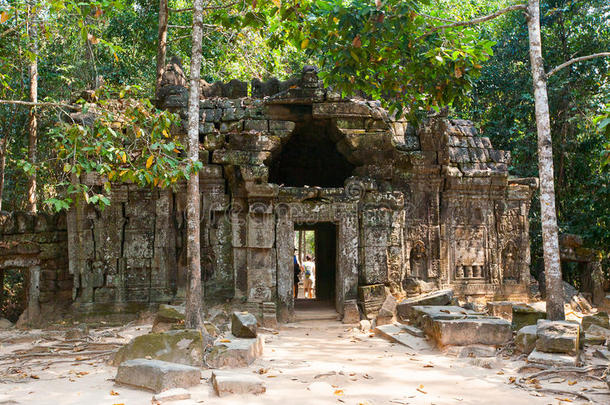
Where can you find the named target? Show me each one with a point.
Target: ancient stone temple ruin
(410, 209)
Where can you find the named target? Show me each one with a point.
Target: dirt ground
(310, 362)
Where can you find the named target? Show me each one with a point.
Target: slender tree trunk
(550, 237)
(162, 42)
(3, 147)
(194, 293)
(33, 122)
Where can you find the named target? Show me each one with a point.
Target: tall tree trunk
(194, 293)
(550, 237)
(33, 122)
(3, 147)
(162, 42)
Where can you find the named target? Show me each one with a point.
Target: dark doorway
(325, 259)
(310, 157)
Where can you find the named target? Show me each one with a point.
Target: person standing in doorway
(298, 269)
(310, 273)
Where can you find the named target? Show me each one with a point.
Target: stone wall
(411, 209)
(37, 245)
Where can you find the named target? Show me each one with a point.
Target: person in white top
(310, 273)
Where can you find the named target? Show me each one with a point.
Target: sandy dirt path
(346, 367)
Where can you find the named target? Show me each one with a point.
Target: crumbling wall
(37, 246)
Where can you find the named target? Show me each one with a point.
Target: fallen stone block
(596, 335)
(553, 359)
(470, 331)
(351, 314)
(387, 313)
(168, 317)
(599, 319)
(502, 309)
(413, 331)
(243, 325)
(436, 298)
(174, 394)
(524, 315)
(176, 346)
(423, 315)
(602, 354)
(525, 341)
(235, 352)
(156, 375)
(558, 337)
(397, 333)
(5, 323)
(228, 383)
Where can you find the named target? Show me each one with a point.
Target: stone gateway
(410, 209)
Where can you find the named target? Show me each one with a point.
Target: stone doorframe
(25, 257)
(345, 217)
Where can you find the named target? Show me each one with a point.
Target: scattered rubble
(599, 319)
(156, 375)
(229, 382)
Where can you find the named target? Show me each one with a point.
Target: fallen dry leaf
(34, 376)
(511, 380)
(572, 382)
(339, 392)
(225, 340)
(114, 393)
(564, 399)
(500, 373)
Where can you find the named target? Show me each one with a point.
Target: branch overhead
(576, 60)
(475, 21)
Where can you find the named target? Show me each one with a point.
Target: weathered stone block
(256, 125)
(233, 114)
(558, 337)
(177, 346)
(351, 314)
(387, 313)
(442, 297)
(525, 341)
(553, 359)
(168, 317)
(502, 309)
(157, 375)
(375, 265)
(227, 383)
(243, 325)
(524, 315)
(463, 332)
(599, 319)
(371, 298)
(234, 352)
